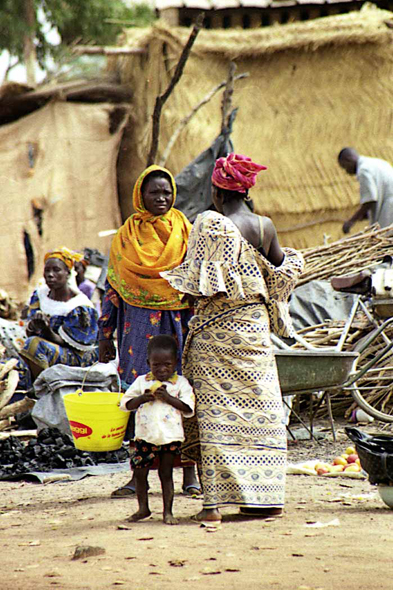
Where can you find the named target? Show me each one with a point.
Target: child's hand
(148, 396)
(161, 393)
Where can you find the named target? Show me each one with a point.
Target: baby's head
(162, 356)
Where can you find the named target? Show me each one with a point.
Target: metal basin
(304, 370)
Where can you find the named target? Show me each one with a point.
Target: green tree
(23, 24)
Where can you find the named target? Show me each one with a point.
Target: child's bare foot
(139, 515)
(170, 519)
(207, 515)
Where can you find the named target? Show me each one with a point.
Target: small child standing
(158, 422)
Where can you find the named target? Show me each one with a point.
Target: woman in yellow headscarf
(62, 324)
(138, 302)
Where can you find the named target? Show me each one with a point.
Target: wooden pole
(161, 99)
(99, 50)
(226, 105)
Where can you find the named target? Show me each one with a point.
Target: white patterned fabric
(219, 260)
(238, 435)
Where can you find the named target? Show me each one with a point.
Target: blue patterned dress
(76, 321)
(135, 326)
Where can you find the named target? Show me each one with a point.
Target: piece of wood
(188, 117)
(100, 50)
(7, 367)
(18, 434)
(226, 104)
(23, 405)
(4, 424)
(162, 98)
(12, 383)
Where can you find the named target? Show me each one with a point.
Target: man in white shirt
(375, 177)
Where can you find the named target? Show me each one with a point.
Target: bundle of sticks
(348, 255)
(8, 383)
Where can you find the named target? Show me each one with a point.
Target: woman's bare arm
(273, 250)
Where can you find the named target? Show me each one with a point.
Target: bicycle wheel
(373, 391)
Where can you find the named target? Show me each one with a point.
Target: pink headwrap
(235, 173)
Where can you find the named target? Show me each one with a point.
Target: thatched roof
(234, 4)
(18, 100)
(370, 25)
(313, 88)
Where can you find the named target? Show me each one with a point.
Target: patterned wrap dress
(238, 435)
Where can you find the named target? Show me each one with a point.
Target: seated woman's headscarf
(69, 257)
(143, 247)
(235, 173)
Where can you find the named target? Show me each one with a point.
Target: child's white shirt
(157, 422)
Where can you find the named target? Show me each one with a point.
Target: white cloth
(375, 178)
(53, 307)
(156, 422)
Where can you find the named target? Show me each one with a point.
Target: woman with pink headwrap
(241, 280)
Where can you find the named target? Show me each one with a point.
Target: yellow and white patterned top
(220, 260)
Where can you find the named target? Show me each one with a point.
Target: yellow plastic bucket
(97, 423)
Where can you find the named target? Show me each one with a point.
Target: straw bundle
(367, 26)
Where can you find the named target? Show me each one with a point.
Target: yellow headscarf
(143, 247)
(69, 257)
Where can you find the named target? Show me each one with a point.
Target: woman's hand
(38, 325)
(106, 351)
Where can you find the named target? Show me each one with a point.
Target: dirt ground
(336, 534)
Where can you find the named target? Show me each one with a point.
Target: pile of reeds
(348, 255)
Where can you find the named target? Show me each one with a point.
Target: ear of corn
(155, 386)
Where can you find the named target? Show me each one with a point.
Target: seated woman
(62, 323)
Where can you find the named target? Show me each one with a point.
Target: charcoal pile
(50, 450)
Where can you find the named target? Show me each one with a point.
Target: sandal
(261, 512)
(192, 490)
(205, 521)
(124, 492)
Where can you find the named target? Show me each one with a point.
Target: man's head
(348, 160)
(162, 356)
